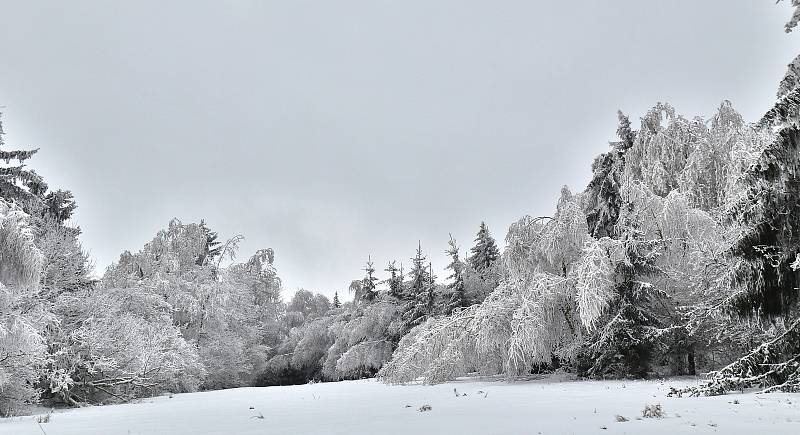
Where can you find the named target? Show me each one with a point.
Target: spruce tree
(429, 300)
(603, 191)
(395, 280)
(18, 183)
(420, 292)
(336, 303)
(28, 189)
(770, 212)
(485, 252)
(420, 277)
(212, 248)
(456, 287)
(368, 283)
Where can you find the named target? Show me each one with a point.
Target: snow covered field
(482, 407)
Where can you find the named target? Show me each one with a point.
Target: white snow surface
(545, 406)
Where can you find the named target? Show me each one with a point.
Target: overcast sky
(330, 130)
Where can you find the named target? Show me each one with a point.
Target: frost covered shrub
(653, 411)
(116, 345)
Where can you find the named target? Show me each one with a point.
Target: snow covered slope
(482, 407)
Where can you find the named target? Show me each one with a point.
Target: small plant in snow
(620, 419)
(44, 418)
(653, 411)
(425, 408)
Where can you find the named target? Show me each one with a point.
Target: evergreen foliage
(603, 192)
(485, 252)
(458, 297)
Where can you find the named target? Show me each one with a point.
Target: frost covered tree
(769, 246)
(308, 304)
(212, 248)
(363, 341)
(458, 297)
(27, 189)
(602, 195)
(116, 345)
(792, 23)
(17, 182)
(705, 176)
(22, 319)
(662, 147)
(482, 270)
(65, 266)
(485, 252)
(532, 319)
(632, 324)
(421, 292)
(419, 276)
(766, 270)
(369, 282)
(336, 303)
(230, 314)
(395, 280)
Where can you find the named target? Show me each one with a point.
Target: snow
(545, 406)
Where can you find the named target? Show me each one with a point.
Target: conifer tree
(420, 293)
(603, 192)
(336, 303)
(212, 248)
(423, 304)
(395, 280)
(770, 211)
(420, 277)
(18, 183)
(795, 19)
(429, 300)
(368, 283)
(485, 252)
(28, 189)
(456, 286)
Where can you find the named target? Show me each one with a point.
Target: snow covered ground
(482, 407)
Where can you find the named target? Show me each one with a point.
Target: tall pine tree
(395, 280)
(368, 283)
(419, 275)
(485, 252)
(603, 192)
(456, 287)
(212, 248)
(28, 189)
(420, 291)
